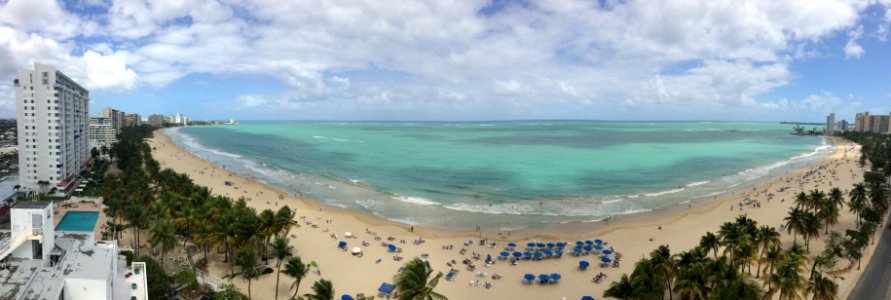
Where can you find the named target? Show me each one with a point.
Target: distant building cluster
(866, 122)
(103, 129)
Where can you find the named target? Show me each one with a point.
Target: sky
(755, 60)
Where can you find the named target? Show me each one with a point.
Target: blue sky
(761, 60)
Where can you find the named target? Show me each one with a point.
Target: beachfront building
(40, 263)
(865, 122)
(52, 113)
(842, 125)
(132, 120)
(156, 120)
(117, 117)
(101, 132)
(830, 124)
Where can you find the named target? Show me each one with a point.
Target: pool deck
(61, 209)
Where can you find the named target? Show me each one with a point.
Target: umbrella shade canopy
(504, 254)
(587, 248)
(529, 277)
(587, 298)
(346, 297)
(589, 242)
(599, 241)
(391, 247)
(544, 277)
(342, 244)
(538, 255)
(579, 243)
(540, 245)
(607, 252)
(606, 260)
(551, 245)
(584, 264)
(530, 245)
(348, 234)
(527, 254)
(518, 254)
(561, 245)
(577, 250)
(356, 250)
(559, 252)
(386, 288)
(556, 276)
(598, 247)
(511, 245)
(548, 252)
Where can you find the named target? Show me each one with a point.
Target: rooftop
(32, 204)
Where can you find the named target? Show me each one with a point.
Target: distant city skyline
(466, 60)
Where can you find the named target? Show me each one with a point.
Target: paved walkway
(875, 281)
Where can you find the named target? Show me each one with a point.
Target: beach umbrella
(504, 254)
(584, 264)
(589, 242)
(530, 245)
(511, 245)
(538, 254)
(341, 244)
(551, 245)
(561, 244)
(540, 245)
(587, 248)
(346, 297)
(529, 277)
(386, 288)
(606, 260)
(607, 252)
(559, 252)
(576, 250)
(598, 247)
(348, 234)
(518, 254)
(391, 247)
(587, 298)
(579, 243)
(544, 277)
(548, 252)
(527, 254)
(599, 241)
(555, 276)
(356, 250)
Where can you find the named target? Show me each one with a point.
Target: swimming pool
(78, 221)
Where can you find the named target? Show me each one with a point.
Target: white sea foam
(698, 183)
(611, 201)
(671, 191)
(415, 200)
(337, 139)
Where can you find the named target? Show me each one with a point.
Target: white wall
(86, 289)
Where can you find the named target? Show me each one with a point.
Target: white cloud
(567, 56)
(852, 49)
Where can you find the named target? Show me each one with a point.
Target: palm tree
(787, 281)
(623, 289)
(664, 266)
(164, 235)
(322, 290)
(796, 221)
(284, 220)
(247, 261)
(802, 201)
(836, 197)
(266, 220)
(822, 288)
(137, 220)
(857, 204)
(815, 198)
(772, 259)
(812, 229)
(710, 242)
(295, 268)
(414, 283)
(281, 250)
(767, 237)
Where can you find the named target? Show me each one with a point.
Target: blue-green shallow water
(503, 174)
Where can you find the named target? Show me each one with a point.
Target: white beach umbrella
(348, 234)
(356, 250)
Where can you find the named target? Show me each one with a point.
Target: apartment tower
(52, 114)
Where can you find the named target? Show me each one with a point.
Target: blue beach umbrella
(587, 298)
(527, 254)
(599, 241)
(576, 250)
(584, 264)
(559, 252)
(537, 254)
(598, 247)
(346, 297)
(589, 242)
(518, 254)
(391, 247)
(540, 245)
(530, 245)
(551, 245)
(342, 244)
(512, 245)
(529, 277)
(544, 277)
(504, 254)
(587, 248)
(607, 252)
(555, 276)
(579, 243)
(548, 252)
(606, 260)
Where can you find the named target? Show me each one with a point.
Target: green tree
(822, 288)
(622, 289)
(710, 242)
(796, 222)
(163, 235)
(321, 290)
(857, 203)
(280, 250)
(295, 268)
(247, 261)
(414, 283)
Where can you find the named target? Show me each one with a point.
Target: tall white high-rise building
(52, 114)
(830, 124)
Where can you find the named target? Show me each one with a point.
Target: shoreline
(635, 234)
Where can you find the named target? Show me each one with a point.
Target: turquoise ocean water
(503, 175)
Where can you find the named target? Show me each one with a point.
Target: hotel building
(52, 114)
(864, 122)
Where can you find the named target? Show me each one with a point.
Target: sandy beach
(633, 236)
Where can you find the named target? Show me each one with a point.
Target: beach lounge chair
(386, 289)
